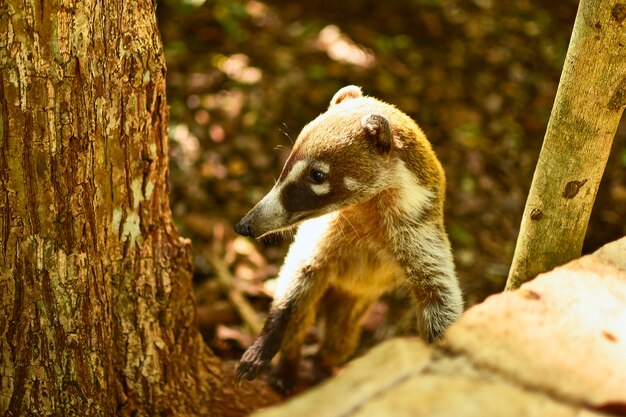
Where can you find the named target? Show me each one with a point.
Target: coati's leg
(342, 321)
(438, 307)
(432, 280)
(284, 376)
(304, 286)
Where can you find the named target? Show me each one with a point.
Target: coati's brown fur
(366, 191)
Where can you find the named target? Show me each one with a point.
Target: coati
(366, 192)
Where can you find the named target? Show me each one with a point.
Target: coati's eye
(316, 176)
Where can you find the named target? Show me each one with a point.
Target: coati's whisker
(351, 225)
(286, 132)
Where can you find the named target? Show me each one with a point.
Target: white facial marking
(296, 171)
(299, 167)
(322, 166)
(302, 165)
(351, 184)
(413, 197)
(321, 189)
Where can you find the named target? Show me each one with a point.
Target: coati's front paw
(252, 363)
(283, 384)
(321, 374)
(283, 377)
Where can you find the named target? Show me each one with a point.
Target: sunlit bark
(588, 106)
(96, 309)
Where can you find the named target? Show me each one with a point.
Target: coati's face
(338, 160)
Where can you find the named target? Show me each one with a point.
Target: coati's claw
(251, 364)
(283, 378)
(282, 385)
(320, 372)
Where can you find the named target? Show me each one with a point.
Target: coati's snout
(267, 216)
(305, 191)
(244, 229)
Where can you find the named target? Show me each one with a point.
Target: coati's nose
(244, 229)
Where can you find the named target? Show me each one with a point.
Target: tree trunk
(97, 315)
(587, 109)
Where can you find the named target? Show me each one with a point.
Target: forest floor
(244, 77)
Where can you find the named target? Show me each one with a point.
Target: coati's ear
(346, 93)
(378, 130)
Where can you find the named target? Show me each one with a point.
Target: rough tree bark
(587, 109)
(97, 315)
